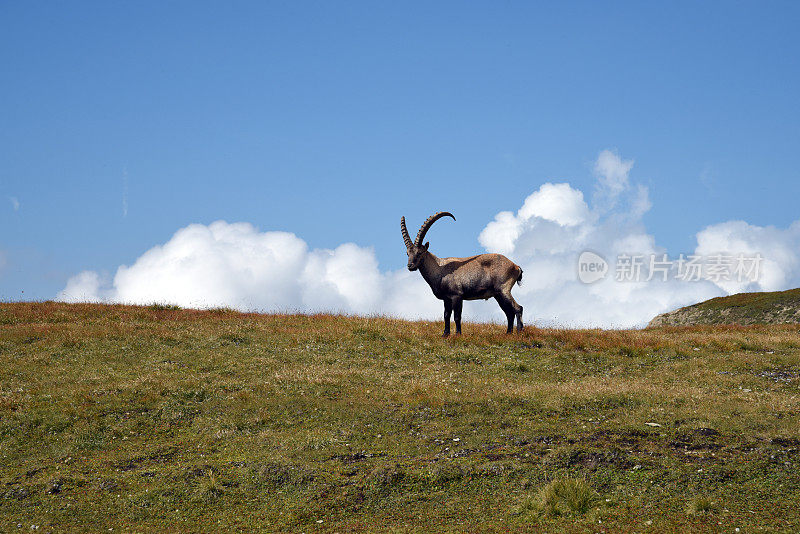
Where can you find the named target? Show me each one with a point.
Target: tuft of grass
(157, 306)
(518, 368)
(700, 505)
(209, 488)
(562, 497)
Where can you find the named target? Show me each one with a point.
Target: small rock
(652, 424)
(55, 486)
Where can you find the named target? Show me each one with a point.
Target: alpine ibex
(455, 280)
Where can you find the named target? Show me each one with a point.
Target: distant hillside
(777, 307)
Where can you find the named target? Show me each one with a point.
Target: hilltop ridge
(774, 307)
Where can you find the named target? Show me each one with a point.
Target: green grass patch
(153, 419)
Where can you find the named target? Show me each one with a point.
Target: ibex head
(416, 250)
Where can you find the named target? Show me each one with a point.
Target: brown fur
(454, 280)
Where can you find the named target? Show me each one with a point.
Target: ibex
(455, 280)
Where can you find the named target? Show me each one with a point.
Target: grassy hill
(776, 307)
(147, 419)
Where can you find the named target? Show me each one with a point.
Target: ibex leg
(457, 305)
(448, 308)
(508, 309)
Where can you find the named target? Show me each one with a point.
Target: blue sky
(121, 123)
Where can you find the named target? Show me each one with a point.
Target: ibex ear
(426, 245)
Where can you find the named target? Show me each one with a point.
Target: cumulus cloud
(780, 248)
(555, 224)
(553, 209)
(236, 265)
(547, 243)
(83, 287)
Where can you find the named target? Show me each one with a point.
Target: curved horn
(428, 223)
(406, 237)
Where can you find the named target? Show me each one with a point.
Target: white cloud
(780, 268)
(14, 203)
(236, 265)
(345, 278)
(217, 265)
(553, 208)
(547, 242)
(612, 172)
(548, 254)
(558, 203)
(85, 286)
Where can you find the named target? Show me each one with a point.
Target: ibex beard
(454, 280)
